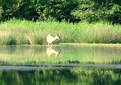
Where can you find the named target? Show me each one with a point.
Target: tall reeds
(16, 32)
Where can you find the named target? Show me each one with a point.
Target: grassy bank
(26, 32)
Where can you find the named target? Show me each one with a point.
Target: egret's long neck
(55, 38)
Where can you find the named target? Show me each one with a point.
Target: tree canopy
(67, 10)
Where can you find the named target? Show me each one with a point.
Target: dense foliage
(69, 10)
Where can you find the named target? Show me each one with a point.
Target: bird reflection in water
(51, 51)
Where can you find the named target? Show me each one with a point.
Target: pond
(60, 65)
(66, 54)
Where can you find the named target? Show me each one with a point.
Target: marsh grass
(15, 32)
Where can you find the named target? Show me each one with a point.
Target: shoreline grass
(93, 44)
(19, 32)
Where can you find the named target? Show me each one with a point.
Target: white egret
(51, 38)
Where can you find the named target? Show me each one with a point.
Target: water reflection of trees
(78, 76)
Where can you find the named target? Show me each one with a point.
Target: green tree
(68, 10)
(56, 9)
(99, 10)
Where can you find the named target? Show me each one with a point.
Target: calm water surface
(60, 65)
